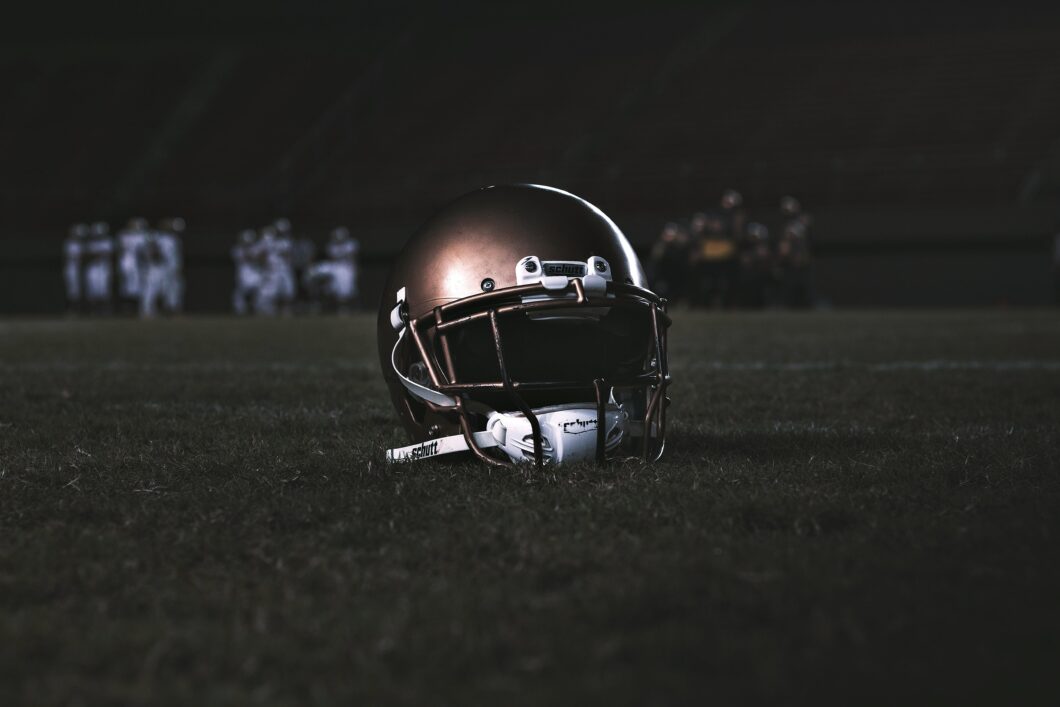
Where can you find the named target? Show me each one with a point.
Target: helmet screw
(530, 266)
(600, 266)
(488, 284)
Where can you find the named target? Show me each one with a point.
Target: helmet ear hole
(418, 373)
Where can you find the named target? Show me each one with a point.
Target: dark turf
(855, 508)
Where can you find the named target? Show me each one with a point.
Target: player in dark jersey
(714, 262)
(756, 263)
(669, 264)
(793, 256)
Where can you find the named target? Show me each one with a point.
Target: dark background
(924, 138)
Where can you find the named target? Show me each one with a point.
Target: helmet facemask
(485, 367)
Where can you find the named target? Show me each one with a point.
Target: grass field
(855, 507)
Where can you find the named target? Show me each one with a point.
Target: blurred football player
(248, 274)
(98, 268)
(171, 241)
(755, 267)
(733, 214)
(282, 261)
(156, 275)
(669, 263)
(714, 261)
(303, 253)
(163, 282)
(333, 282)
(342, 252)
(73, 249)
(791, 212)
(131, 243)
(317, 280)
(789, 207)
(793, 259)
(269, 264)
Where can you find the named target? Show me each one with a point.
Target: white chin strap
(568, 434)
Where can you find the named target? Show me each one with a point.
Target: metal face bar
(485, 299)
(649, 419)
(665, 370)
(603, 392)
(654, 382)
(535, 426)
(542, 305)
(622, 294)
(660, 386)
(446, 353)
(428, 360)
(469, 436)
(579, 290)
(524, 307)
(659, 333)
(642, 379)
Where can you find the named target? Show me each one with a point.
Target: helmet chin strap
(438, 447)
(568, 434)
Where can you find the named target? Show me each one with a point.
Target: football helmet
(517, 324)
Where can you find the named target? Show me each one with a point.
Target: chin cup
(568, 432)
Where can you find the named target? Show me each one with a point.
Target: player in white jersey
(282, 261)
(73, 248)
(265, 255)
(131, 243)
(248, 272)
(156, 275)
(342, 252)
(98, 268)
(172, 246)
(302, 256)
